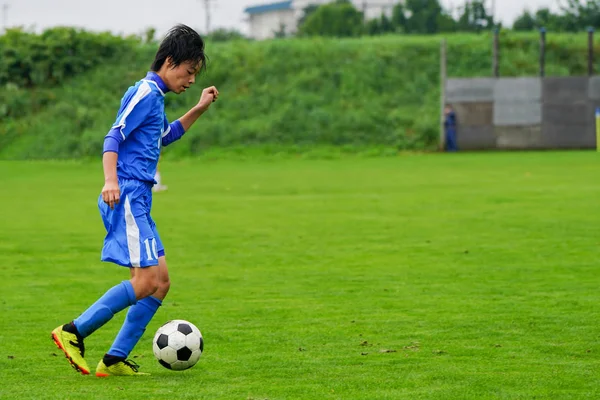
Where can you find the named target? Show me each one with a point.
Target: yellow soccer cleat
(122, 368)
(73, 347)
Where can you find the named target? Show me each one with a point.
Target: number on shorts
(153, 252)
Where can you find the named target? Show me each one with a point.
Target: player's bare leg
(164, 283)
(144, 281)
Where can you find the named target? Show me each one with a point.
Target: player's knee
(164, 283)
(151, 286)
(146, 290)
(144, 285)
(164, 286)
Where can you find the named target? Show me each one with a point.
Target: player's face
(180, 78)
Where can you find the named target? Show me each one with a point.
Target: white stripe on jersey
(165, 133)
(133, 235)
(155, 84)
(142, 91)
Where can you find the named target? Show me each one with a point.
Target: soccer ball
(178, 345)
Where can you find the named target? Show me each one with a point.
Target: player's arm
(209, 96)
(178, 128)
(110, 191)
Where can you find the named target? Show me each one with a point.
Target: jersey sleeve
(134, 111)
(172, 131)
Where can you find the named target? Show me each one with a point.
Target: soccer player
(131, 152)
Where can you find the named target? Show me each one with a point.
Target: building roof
(281, 5)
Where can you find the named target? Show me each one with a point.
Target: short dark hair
(182, 44)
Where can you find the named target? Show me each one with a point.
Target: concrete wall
(525, 113)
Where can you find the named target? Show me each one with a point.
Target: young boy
(131, 152)
(450, 127)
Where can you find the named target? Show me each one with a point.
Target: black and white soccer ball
(178, 345)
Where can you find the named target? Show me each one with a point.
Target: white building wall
(264, 25)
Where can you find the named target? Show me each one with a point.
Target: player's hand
(209, 96)
(111, 193)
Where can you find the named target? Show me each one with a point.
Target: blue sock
(134, 326)
(114, 300)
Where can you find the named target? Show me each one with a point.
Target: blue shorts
(131, 236)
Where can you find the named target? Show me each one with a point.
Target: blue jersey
(141, 122)
(141, 128)
(139, 132)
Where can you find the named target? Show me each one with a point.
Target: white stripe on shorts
(133, 235)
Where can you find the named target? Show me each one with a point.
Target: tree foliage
(338, 19)
(430, 17)
(574, 16)
(474, 17)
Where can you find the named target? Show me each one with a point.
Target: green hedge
(352, 94)
(32, 63)
(28, 59)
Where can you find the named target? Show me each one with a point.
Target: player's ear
(169, 62)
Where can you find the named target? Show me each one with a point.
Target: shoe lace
(79, 344)
(132, 364)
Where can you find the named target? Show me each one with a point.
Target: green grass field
(464, 276)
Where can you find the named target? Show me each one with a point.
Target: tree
(386, 24)
(575, 15)
(524, 22)
(579, 15)
(149, 35)
(339, 19)
(380, 26)
(446, 23)
(545, 18)
(306, 12)
(474, 17)
(399, 19)
(422, 16)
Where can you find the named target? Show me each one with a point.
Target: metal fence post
(443, 77)
(542, 52)
(590, 51)
(496, 54)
